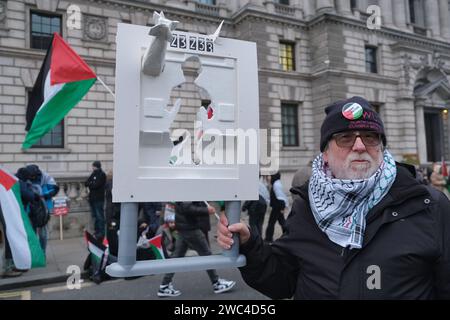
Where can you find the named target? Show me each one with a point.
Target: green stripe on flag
(156, 252)
(56, 109)
(37, 254)
(96, 252)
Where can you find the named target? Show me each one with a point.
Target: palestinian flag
(96, 248)
(25, 248)
(444, 168)
(156, 246)
(62, 82)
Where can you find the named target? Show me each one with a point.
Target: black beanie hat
(352, 114)
(97, 164)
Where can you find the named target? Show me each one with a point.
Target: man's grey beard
(357, 172)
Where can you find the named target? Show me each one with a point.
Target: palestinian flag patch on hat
(352, 111)
(64, 79)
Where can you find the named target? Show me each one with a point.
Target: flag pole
(61, 237)
(106, 87)
(207, 204)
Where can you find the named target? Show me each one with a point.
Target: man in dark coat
(362, 228)
(96, 184)
(190, 219)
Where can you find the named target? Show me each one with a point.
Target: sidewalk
(60, 255)
(73, 251)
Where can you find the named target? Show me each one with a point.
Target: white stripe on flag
(95, 250)
(15, 229)
(49, 90)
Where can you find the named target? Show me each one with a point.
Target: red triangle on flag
(156, 241)
(444, 169)
(7, 180)
(66, 65)
(210, 112)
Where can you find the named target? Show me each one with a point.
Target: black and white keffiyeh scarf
(340, 206)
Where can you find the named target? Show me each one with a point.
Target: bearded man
(361, 228)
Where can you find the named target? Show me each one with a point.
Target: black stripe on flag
(90, 238)
(36, 98)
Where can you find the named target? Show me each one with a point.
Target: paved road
(193, 285)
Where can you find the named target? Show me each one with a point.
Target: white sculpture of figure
(154, 57)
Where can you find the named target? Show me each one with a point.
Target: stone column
(362, 5)
(72, 191)
(444, 19)
(270, 7)
(324, 6)
(421, 135)
(140, 18)
(432, 17)
(298, 7)
(308, 9)
(343, 7)
(386, 12)
(400, 13)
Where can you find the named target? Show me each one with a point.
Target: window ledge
(297, 148)
(47, 150)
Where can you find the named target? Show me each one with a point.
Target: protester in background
(112, 215)
(257, 208)
(96, 184)
(44, 185)
(151, 215)
(437, 179)
(112, 210)
(169, 234)
(189, 217)
(278, 202)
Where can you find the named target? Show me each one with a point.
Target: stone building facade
(310, 53)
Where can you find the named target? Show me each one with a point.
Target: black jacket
(191, 216)
(407, 237)
(96, 184)
(255, 207)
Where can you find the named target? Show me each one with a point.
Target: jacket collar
(407, 178)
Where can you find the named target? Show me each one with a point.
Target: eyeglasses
(347, 139)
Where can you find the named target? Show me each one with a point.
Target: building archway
(432, 104)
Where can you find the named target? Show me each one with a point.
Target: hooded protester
(44, 185)
(362, 228)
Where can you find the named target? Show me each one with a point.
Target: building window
(285, 2)
(371, 59)
(289, 124)
(376, 107)
(210, 2)
(43, 25)
(53, 139)
(416, 12)
(353, 5)
(434, 133)
(287, 56)
(417, 16)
